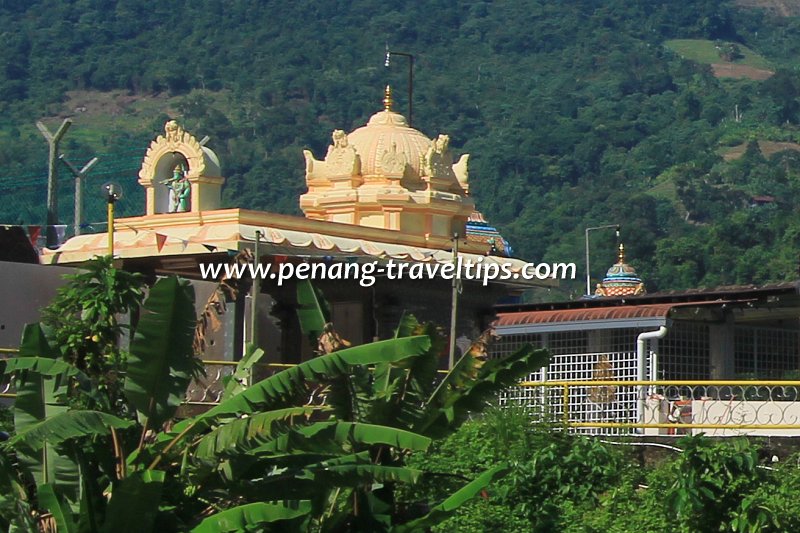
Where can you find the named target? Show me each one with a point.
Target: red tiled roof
(598, 313)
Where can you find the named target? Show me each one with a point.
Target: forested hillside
(677, 119)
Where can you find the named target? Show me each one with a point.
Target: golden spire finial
(621, 255)
(387, 98)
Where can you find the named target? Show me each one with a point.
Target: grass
(704, 51)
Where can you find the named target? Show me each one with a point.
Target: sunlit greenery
(576, 113)
(98, 445)
(580, 484)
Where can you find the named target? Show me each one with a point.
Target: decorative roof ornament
(621, 279)
(387, 98)
(480, 231)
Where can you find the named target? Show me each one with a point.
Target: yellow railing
(725, 406)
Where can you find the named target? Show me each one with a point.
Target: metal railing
(720, 408)
(621, 407)
(204, 391)
(207, 390)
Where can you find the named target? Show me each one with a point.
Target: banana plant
(76, 454)
(409, 395)
(317, 446)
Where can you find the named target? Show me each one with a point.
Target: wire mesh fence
(25, 192)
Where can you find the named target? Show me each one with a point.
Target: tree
(264, 457)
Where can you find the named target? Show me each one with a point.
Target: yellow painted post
(110, 226)
(566, 404)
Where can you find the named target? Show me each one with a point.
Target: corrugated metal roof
(581, 315)
(623, 312)
(689, 296)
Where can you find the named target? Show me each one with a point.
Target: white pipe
(654, 365)
(641, 345)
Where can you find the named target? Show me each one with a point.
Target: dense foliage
(576, 113)
(569, 483)
(319, 446)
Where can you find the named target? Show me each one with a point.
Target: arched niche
(203, 171)
(163, 172)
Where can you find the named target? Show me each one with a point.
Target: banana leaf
(63, 426)
(359, 475)
(43, 366)
(39, 398)
(453, 502)
(238, 381)
(161, 362)
(467, 388)
(254, 516)
(283, 388)
(312, 311)
(243, 434)
(50, 501)
(333, 437)
(134, 503)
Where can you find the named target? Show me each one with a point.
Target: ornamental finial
(621, 255)
(387, 98)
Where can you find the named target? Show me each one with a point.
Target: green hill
(576, 114)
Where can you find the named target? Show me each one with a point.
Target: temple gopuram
(384, 191)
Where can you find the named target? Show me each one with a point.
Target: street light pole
(589, 272)
(410, 57)
(456, 288)
(113, 193)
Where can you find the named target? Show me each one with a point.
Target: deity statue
(437, 162)
(180, 190)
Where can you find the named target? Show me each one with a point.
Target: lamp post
(589, 272)
(456, 288)
(113, 192)
(256, 288)
(410, 57)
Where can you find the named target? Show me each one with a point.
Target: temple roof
(388, 175)
(480, 231)
(388, 131)
(621, 279)
(188, 239)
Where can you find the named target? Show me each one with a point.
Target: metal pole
(454, 305)
(255, 291)
(588, 271)
(79, 175)
(410, 89)
(410, 57)
(52, 178)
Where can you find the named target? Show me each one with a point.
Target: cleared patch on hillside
(748, 64)
(113, 103)
(736, 71)
(767, 148)
(782, 8)
(96, 113)
(665, 189)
